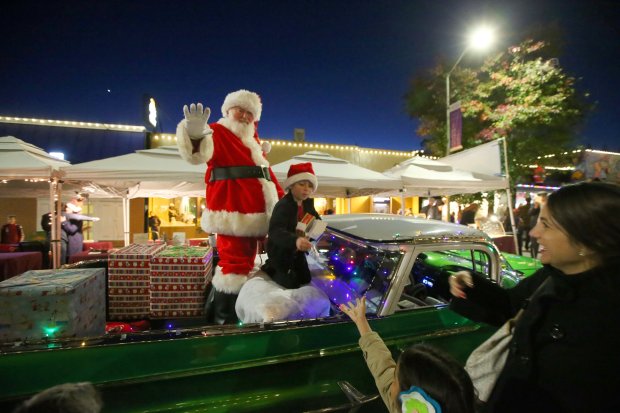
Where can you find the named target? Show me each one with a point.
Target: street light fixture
(479, 39)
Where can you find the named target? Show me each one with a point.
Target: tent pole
(53, 232)
(56, 238)
(126, 220)
(509, 196)
(348, 193)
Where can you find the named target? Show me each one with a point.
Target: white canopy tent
(338, 177)
(486, 158)
(20, 160)
(162, 168)
(426, 177)
(159, 172)
(483, 158)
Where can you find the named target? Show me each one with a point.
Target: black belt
(240, 172)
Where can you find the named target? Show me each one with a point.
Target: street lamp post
(480, 39)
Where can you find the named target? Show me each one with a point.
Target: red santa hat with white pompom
(301, 172)
(249, 101)
(245, 99)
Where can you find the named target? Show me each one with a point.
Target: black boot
(220, 308)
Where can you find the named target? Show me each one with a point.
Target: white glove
(196, 121)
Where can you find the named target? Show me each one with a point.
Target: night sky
(338, 69)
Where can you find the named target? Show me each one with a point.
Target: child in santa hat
(287, 243)
(241, 190)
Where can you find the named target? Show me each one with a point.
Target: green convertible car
(400, 264)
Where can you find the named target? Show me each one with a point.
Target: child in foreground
(425, 379)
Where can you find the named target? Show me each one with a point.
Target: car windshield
(346, 269)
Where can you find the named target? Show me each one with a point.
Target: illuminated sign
(151, 123)
(152, 117)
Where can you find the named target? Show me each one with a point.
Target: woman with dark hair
(564, 351)
(424, 379)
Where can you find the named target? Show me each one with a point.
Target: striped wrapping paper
(129, 273)
(179, 278)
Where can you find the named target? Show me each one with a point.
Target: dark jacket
(564, 355)
(285, 265)
(75, 238)
(534, 213)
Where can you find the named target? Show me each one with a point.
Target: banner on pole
(456, 126)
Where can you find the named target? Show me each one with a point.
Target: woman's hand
(458, 282)
(356, 310)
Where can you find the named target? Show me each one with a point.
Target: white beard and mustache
(242, 130)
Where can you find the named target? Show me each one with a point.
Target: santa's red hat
(245, 99)
(301, 172)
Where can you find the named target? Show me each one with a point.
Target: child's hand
(356, 310)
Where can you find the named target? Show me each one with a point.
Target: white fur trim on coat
(245, 99)
(235, 223)
(240, 224)
(228, 283)
(184, 143)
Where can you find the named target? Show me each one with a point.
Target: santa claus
(241, 189)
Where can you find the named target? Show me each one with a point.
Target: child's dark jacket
(285, 265)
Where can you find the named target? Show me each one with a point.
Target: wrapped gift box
(52, 304)
(179, 278)
(129, 272)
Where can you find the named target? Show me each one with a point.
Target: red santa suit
(238, 208)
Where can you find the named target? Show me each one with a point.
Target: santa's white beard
(242, 130)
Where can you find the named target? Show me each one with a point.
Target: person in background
(173, 213)
(12, 232)
(523, 225)
(468, 215)
(329, 212)
(46, 225)
(241, 190)
(286, 248)
(154, 224)
(539, 201)
(564, 351)
(432, 210)
(74, 227)
(64, 398)
(424, 379)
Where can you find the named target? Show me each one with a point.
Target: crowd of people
(526, 217)
(563, 355)
(579, 247)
